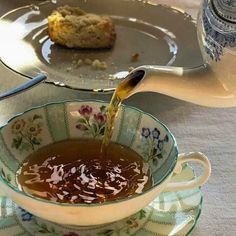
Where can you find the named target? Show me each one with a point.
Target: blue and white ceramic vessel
(217, 29)
(226, 9)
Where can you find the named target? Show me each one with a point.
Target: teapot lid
(226, 9)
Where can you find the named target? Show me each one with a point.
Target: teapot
(213, 83)
(210, 84)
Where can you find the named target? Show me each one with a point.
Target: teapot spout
(198, 85)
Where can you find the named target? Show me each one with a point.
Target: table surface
(209, 130)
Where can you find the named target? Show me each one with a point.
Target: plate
(169, 214)
(160, 35)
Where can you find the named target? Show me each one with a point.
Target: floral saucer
(169, 214)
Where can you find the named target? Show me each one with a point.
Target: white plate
(160, 35)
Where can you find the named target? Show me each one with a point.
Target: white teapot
(213, 83)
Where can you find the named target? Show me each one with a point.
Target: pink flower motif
(100, 118)
(71, 234)
(81, 127)
(85, 111)
(135, 224)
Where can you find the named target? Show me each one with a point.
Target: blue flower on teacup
(25, 215)
(160, 145)
(146, 132)
(166, 139)
(230, 3)
(155, 133)
(152, 145)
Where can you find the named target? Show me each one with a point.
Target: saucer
(158, 34)
(169, 214)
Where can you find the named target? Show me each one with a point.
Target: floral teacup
(54, 122)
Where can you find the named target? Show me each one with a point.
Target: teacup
(134, 128)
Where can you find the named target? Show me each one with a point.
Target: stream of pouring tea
(121, 93)
(73, 171)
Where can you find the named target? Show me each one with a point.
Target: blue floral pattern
(217, 33)
(42, 227)
(156, 133)
(138, 224)
(226, 9)
(153, 145)
(230, 3)
(25, 215)
(146, 132)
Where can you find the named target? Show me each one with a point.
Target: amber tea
(122, 91)
(73, 171)
(90, 171)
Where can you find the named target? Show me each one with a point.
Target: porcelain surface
(85, 119)
(169, 214)
(217, 36)
(226, 9)
(50, 123)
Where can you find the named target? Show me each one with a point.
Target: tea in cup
(144, 144)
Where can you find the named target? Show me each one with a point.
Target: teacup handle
(198, 181)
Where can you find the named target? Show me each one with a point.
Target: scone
(73, 28)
